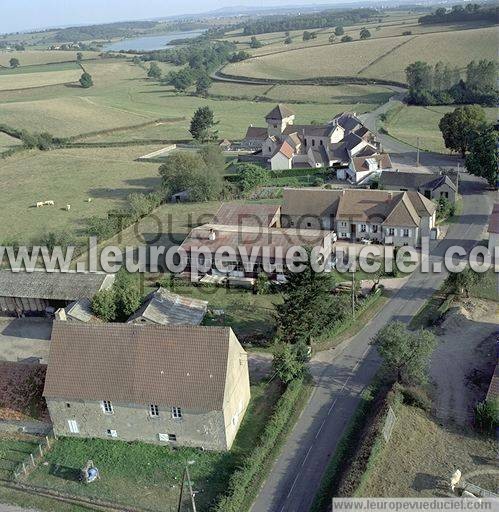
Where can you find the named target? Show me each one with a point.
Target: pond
(149, 43)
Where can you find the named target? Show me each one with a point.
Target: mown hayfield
(366, 96)
(382, 56)
(456, 47)
(69, 176)
(32, 57)
(332, 60)
(411, 122)
(236, 90)
(27, 80)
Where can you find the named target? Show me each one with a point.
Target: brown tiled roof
(361, 164)
(422, 205)
(287, 150)
(365, 205)
(402, 213)
(494, 220)
(182, 366)
(247, 214)
(279, 112)
(309, 201)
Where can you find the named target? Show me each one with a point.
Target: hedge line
(245, 482)
(335, 476)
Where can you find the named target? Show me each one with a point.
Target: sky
(21, 15)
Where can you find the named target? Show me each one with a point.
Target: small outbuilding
(166, 308)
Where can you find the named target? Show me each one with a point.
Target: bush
(262, 284)
(486, 415)
(251, 176)
(104, 305)
(318, 182)
(346, 39)
(416, 397)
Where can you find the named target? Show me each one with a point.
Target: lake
(150, 43)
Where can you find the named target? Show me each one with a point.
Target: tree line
(442, 84)
(459, 13)
(324, 19)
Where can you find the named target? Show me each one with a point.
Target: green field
(130, 470)
(14, 449)
(380, 57)
(410, 123)
(69, 176)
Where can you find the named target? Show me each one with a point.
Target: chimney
(212, 235)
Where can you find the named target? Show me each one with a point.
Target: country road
(340, 376)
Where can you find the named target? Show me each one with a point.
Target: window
(375, 229)
(68, 405)
(363, 228)
(166, 438)
(73, 427)
(107, 407)
(309, 224)
(270, 149)
(313, 142)
(444, 194)
(391, 231)
(153, 410)
(176, 413)
(406, 232)
(343, 235)
(111, 433)
(321, 142)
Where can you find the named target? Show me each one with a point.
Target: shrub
(318, 182)
(104, 305)
(416, 397)
(346, 39)
(486, 415)
(262, 284)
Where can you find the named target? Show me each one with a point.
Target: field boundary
(323, 80)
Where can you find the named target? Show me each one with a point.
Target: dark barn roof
(53, 285)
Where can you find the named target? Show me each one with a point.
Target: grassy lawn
(150, 474)
(422, 455)
(488, 287)
(410, 122)
(69, 176)
(26, 80)
(34, 57)
(7, 142)
(14, 449)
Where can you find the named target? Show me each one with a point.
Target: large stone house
(431, 185)
(285, 145)
(178, 385)
(398, 218)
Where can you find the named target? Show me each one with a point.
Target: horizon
(23, 16)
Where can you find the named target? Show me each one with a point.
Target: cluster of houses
(343, 142)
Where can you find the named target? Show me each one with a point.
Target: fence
(31, 461)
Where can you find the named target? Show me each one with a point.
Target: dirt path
(462, 363)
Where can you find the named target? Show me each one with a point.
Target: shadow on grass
(64, 472)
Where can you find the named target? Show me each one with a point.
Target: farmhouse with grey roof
(178, 385)
(284, 144)
(431, 185)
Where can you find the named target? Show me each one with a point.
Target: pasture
(15, 81)
(7, 142)
(411, 122)
(69, 176)
(33, 57)
(379, 57)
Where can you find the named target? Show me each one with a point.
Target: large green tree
(14, 63)
(178, 170)
(86, 80)
(482, 158)
(203, 84)
(250, 176)
(309, 308)
(202, 125)
(460, 126)
(418, 75)
(365, 33)
(406, 354)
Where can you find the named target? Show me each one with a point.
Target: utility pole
(457, 179)
(417, 154)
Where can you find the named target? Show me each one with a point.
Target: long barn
(33, 293)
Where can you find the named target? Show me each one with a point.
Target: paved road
(340, 377)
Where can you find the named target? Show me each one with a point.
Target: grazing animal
(68, 207)
(39, 204)
(89, 200)
(49, 203)
(455, 478)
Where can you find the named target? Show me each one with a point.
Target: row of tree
(441, 84)
(459, 13)
(322, 19)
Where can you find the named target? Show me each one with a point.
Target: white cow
(39, 204)
(49, 203)
(68, 207)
